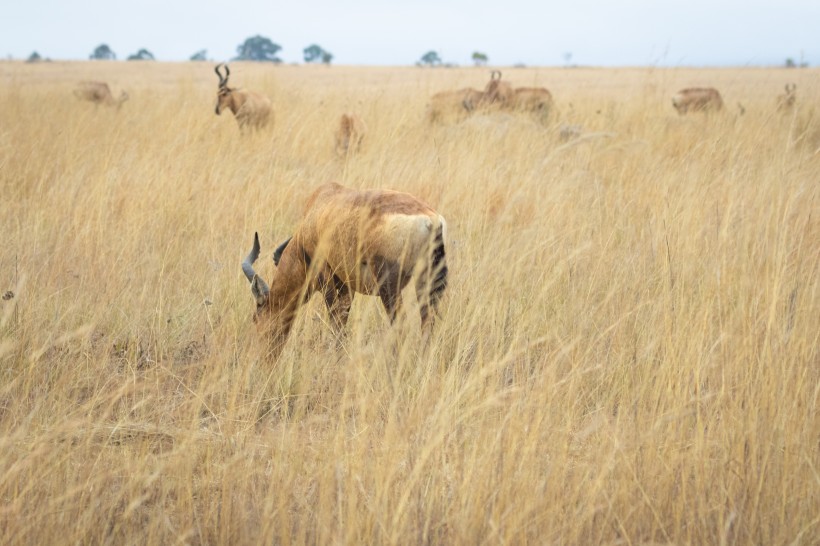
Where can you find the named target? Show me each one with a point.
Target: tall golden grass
(627, 353)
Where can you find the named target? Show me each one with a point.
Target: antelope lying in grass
(372, 242)
(251, 110)
(349, 134)
(452, 104)
(99, 93)
(697, 99)
(533, 100)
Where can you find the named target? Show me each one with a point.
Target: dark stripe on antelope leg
(338, 298)
(391, 281)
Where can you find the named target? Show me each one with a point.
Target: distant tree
(567, 57)
(480, 59)
(103, 53)
(430, 58)
(313, 53)
(258, 48)
(201, 55)
(34, 58)
(141, 55)
(790, 63)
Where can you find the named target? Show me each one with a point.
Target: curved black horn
(221, 79)
(277, 254)
(247, 265)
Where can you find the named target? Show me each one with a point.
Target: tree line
(258, 48)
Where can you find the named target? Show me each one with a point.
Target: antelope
(368, 241)
(99, 93)
(534, 100)
(497, 92)
(697, 99)
(252, 110)
(786, 101)
(349, 134)
(456, 103)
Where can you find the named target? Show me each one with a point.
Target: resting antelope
(99, 93)
(251, 110)
(533, 100)
(786, 101)
(697, 99)
(349, 134)
(372, 242)
(452, 104)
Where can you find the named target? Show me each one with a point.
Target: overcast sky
(393, 32)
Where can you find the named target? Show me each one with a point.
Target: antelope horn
(277, 254)
(247, 265)
(222, 80)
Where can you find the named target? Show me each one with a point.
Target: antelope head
(274, 310)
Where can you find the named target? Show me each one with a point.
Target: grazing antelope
(697, 99)
(252, 110)
(99, 93)
(372, 242)
(786, 101)
(349, 134)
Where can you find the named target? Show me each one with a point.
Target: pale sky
(393, 32)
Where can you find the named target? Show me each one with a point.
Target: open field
(628, 352)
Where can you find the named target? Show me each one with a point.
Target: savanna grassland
(627, 352)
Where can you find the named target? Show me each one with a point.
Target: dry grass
(628, 352)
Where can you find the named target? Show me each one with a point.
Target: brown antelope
(497, 92)
(349, 134)
(533, 100)
(372, 242)
(697, 99)
(452, 104)
(252, 110)
(99, 93)
(786, 101)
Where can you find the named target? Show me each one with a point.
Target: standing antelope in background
(786, 101)
(497, 92)
(697, 99)
(349, 134)
(371, 241)
(252, 110)
(99, 93)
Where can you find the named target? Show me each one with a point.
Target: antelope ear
(259, 290)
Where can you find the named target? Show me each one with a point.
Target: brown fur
(533, 100)
(451, 104)
(786, 101)
(697, 99)
(350, 133)
(372, 242)
(99, 93)
(498, 93)
(252, 110)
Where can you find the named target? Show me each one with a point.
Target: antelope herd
(497, 95)
(375, 242)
